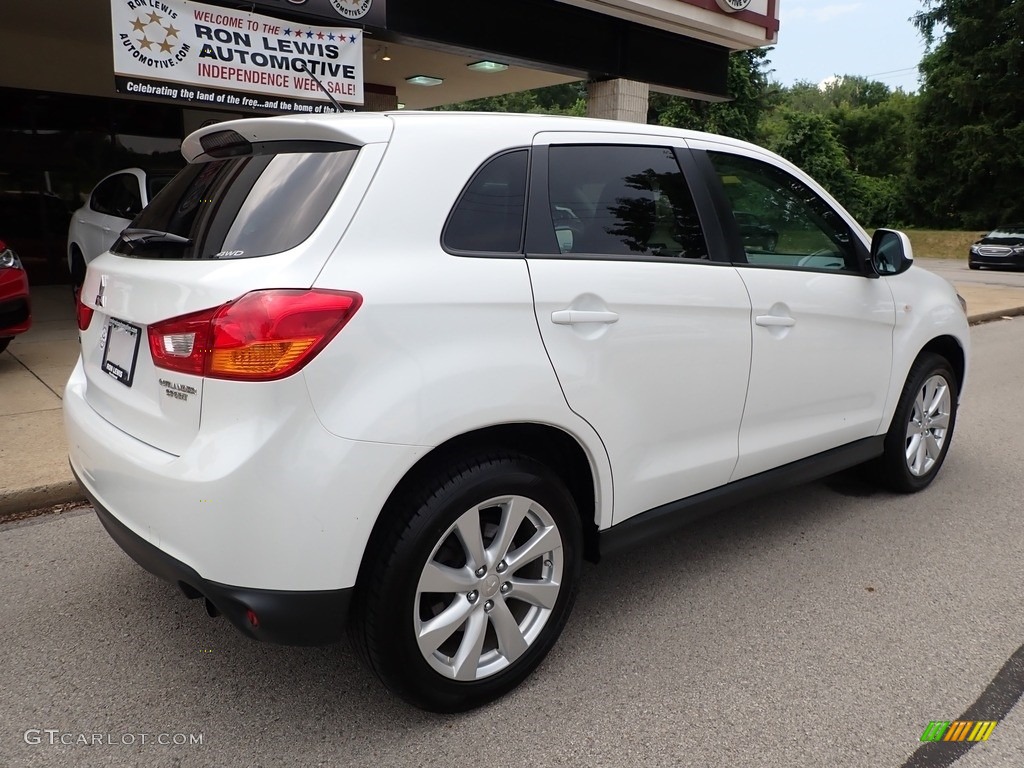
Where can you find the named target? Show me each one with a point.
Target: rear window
(240, 207)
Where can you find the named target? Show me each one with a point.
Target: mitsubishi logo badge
(103, 287)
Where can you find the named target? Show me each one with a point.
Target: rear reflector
(262, 336)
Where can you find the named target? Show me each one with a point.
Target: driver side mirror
(891, 252)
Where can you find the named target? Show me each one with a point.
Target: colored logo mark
(958, 730)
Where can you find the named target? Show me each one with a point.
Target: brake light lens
(82, 312)
(263, 336)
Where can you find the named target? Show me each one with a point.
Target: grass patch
(941, 244)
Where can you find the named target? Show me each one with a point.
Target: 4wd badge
(732, 6)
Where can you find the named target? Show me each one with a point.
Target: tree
(740, 118)
(809, 141)
(969, 154)
(567, 99)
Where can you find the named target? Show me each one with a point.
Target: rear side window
(624, 201)
(240, 207)
(489, 215)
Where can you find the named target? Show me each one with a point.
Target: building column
(618, 100)
(377, 99)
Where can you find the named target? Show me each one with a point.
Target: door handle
(574, 316)
(774, 321)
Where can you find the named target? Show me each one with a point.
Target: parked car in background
(34, 225)
(110, 207)
(376, 372)
(15, 307)
(1002, 247)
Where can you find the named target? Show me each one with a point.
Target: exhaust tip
(189, 591)
(211, 609)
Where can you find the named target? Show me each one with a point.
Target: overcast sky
(872, 38)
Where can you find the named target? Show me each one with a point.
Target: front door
(821, 329)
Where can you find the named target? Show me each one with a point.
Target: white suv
(401, 372)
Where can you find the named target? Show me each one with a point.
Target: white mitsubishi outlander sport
(398, 374)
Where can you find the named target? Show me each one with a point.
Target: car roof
(361, 128)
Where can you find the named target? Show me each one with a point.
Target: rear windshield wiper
(134, 236)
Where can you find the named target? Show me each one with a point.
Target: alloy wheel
(488, 588)
(928, 425)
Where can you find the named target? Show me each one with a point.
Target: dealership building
(93, 86)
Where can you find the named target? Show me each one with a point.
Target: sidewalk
(33, 453)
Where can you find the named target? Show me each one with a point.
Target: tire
(922, 427)
(506, 605)
(77, 268)
(3, 344)
(973, 266)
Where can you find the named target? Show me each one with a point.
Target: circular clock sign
(732, 6)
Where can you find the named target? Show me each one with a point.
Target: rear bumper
(277, 616)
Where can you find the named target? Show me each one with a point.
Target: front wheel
(922, 427)
(471, 586)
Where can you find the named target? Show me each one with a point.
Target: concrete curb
(999, 314)
(19, 500)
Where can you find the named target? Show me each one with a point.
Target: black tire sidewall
(394, 654)
(898, 474)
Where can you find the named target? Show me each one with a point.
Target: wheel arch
(949, 348)
(76, 263)
(551, 446)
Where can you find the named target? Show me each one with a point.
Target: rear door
(649, 335)
(224, 226)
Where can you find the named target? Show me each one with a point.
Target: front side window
(781, 221)
(240, 207)
(626, 201)
(117, 196)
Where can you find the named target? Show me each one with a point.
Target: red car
(15, 311)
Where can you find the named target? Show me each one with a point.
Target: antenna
(308, 71)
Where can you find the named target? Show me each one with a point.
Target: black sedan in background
(1002, 247)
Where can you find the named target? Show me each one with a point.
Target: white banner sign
(203, 54)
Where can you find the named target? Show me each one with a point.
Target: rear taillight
(83, 312)
(262, 336)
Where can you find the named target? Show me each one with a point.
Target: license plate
(121, 350)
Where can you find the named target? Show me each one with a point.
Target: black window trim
(517, 254)
(730, 226)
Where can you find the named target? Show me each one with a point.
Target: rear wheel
(3, 344)
(922, 427)
(471, 587)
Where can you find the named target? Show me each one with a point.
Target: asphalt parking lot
(822, 626)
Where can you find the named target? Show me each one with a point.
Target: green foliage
(739, 118)
(969, 152)
(568, 99)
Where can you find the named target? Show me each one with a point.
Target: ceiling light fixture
(487, 66)
(386, 56)
(423, 80)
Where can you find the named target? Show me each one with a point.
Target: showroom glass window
(623, 201)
